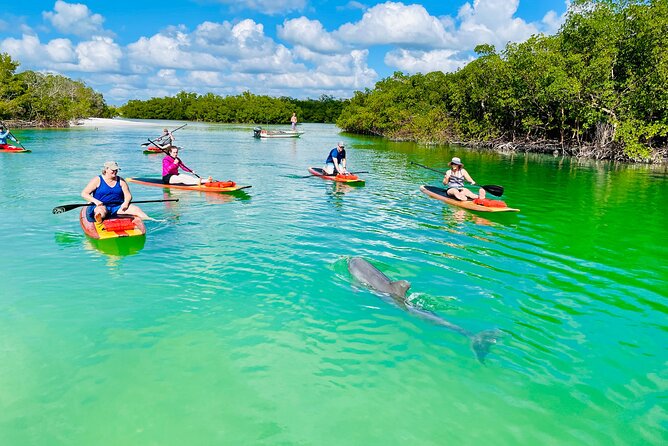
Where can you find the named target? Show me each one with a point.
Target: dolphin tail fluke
(482, 341)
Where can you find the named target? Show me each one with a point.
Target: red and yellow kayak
(112, 227)
(6, 148)
(217, 186)
(346, 178)
(441, 194)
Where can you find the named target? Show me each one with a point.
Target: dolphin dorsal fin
(400, 287)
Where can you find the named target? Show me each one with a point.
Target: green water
(236, 321)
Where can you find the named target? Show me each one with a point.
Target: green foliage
(607, 68)
(246, 108)
(45, 98)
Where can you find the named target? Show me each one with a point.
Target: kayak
(218, 186)
(441, 194)
(12, 149)
(152, 150)
(345, 178)
(112, 227)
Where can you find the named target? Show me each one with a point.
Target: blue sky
(298, 48)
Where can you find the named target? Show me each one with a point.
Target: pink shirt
(169, 167)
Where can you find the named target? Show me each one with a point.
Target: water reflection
(462, 216)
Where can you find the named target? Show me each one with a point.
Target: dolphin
(369, 275)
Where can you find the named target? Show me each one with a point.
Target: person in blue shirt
(109, 195)
(4, 134)
(336, 160)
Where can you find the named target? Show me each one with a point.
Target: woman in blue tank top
(454, 182)
(109, 194)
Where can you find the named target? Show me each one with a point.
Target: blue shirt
(4, 135)
(340, 156)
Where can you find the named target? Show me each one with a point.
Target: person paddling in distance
(454, 182)
(166, 140)
(109, 195)
(171, 164)
(5, 134)
(336, 160)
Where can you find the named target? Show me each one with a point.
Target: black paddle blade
(493, 189)
(67, 207)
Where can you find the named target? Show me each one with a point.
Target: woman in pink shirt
(170, 171)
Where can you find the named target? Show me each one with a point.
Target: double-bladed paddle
(491, 188)
(69, 207)
(147, 143)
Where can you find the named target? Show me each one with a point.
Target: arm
(446, 178)
(127, 196)
(467, 177)
(87, 192)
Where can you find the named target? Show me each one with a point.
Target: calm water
(236, 321)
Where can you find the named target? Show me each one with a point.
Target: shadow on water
(119, 247)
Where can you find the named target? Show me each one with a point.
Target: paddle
(69, 207)
(491, 188)
(186, 168)
(146, 143)
(12, 135)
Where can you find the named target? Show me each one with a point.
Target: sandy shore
(105, 122)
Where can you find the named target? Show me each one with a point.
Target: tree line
(36, 99)
(243, 108)
(598, 88)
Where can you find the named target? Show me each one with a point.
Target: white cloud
(99, 54)
(32, 53)
(60, 51)
(207, 78)
(308, 33)
(426, 61)
(552, 21)
(493, 22)
(268, 7)
(396, 23)
(75, 18)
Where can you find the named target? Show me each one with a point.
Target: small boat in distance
(259, 132)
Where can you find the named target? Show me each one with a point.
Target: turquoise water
(235, 321)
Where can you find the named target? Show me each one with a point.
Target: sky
(138, 49)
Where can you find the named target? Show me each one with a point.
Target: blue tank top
(107, 194)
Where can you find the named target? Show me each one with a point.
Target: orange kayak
(218, 186)
(112, 227)
(346, 178)
(441, 194)
(6, 148)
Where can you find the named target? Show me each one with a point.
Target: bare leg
(136, 211)
(184, 179)
(459, 195)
